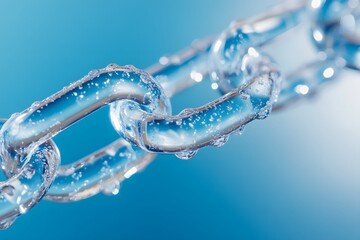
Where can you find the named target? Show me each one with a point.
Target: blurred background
(295, 175)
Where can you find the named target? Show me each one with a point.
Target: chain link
(140, 108)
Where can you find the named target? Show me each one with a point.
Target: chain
(140, 110)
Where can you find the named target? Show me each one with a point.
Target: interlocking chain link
(140, 109)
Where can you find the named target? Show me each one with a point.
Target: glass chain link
(140, 109)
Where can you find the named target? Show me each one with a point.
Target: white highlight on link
(302, 89)
(130, 172)
(252, 52)
(164, 60)
(318, 36)
(328, 72)
(196, 76)
(316, 3)
(214, 86)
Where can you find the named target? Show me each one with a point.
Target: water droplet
(244, 96)
(187, 111)
(29, 171)
(148, 98)
(178, 122)
(220, 141)
(8, 190)
(111, 188)
(263, 114)
(7, 223)
(239, 131)
(112, 66)
(184, 155)
(76, 175)
(35, 105)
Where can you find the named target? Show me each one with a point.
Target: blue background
(295, 175)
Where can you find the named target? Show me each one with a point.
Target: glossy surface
(99, 171)
(27, 186)
(295, 184)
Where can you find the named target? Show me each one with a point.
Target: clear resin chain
(248, 79)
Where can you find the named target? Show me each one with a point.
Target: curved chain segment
(100, 171)
(43, 120)
(27, 185)
(240, 39)
(211, 124)
(184, 69)
(105, 169)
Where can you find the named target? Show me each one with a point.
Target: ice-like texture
(141, 111)
(211, 124)
(27, 185)
(104, 169)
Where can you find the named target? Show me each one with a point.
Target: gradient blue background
(295, 175)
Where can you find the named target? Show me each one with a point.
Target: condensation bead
(185, 155)
(111, 188)
(219, 141)
(336, 29)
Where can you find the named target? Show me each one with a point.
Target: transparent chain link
(249, 81)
